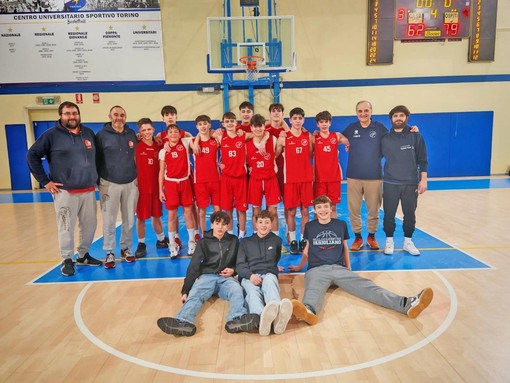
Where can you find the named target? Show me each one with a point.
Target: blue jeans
(258, 296)
(205, 287)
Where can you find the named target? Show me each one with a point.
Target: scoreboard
(432, 19)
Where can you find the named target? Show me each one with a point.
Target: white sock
(191, 234)
(407, 240)
(275, 232)
(389, 239)
(171, 236)
(292, 235)
(141, 240)
(242, 233)
(160, 236)
(230, 231)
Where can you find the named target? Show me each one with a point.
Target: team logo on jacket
(372, 134)
(179, 147)
(333, 141)
(267, 156)
(304, 142)
(326, 240)
(131, 144)
(88, 144)
(239, 144)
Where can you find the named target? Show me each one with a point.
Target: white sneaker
(410, 248)
(192, 245)
(389, 247)
(283, 317)
(174, 249)
(267, 317)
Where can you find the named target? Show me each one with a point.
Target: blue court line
(481, 183)
(435, 255)
(160, 86)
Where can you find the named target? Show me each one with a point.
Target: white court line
(300, 375)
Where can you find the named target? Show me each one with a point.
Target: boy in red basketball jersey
(206, 176)
(263, 181)
(275, 126)
(175, 186)
(233, 172)
(298, 176)
(327, 171)
(149, 205)
(246, 111)
(169, 117)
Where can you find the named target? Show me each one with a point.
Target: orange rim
(251, 61)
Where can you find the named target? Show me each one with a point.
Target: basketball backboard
(231, 38)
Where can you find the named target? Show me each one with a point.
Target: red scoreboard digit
(431, 19)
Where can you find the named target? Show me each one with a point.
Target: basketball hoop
(251, 67)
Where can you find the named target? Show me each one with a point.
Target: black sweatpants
(408, 196)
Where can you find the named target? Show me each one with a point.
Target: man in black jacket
(257, 267)
(70, 150)
(211, 271)
(405, 177)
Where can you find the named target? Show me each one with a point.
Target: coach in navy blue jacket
(405, 177)
(70, 150)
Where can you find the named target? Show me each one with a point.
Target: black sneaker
(302, 245)
(163, 244)
(87, 260)
(67, 268)
(176, 326)
(244, 323)
(141, 250)
(294, 247)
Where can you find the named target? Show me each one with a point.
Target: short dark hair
(324, 115)
(168, 109)
(203, 117)
(246, 104)
(143, 121)
(321, 199)
(258, 120)
(172, 126)
(400, 109)
(276, 106)
(67, 104)
(229, 115)
(299, 111)
(220, 216)
(264, 214)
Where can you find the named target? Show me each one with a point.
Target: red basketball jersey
(244, 128)
(176, 161)
(206, 163)
(233, 155)
(275, 132)
(147, 166)
(297, 167)
(262, 166)
(327, 168)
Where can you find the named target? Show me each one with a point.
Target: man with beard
(70, 150)
(405, 177)
(116, 147)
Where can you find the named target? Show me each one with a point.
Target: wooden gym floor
(106, 331)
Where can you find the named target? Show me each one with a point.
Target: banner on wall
(55, 41)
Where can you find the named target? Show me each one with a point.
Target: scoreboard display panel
(432, 19)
